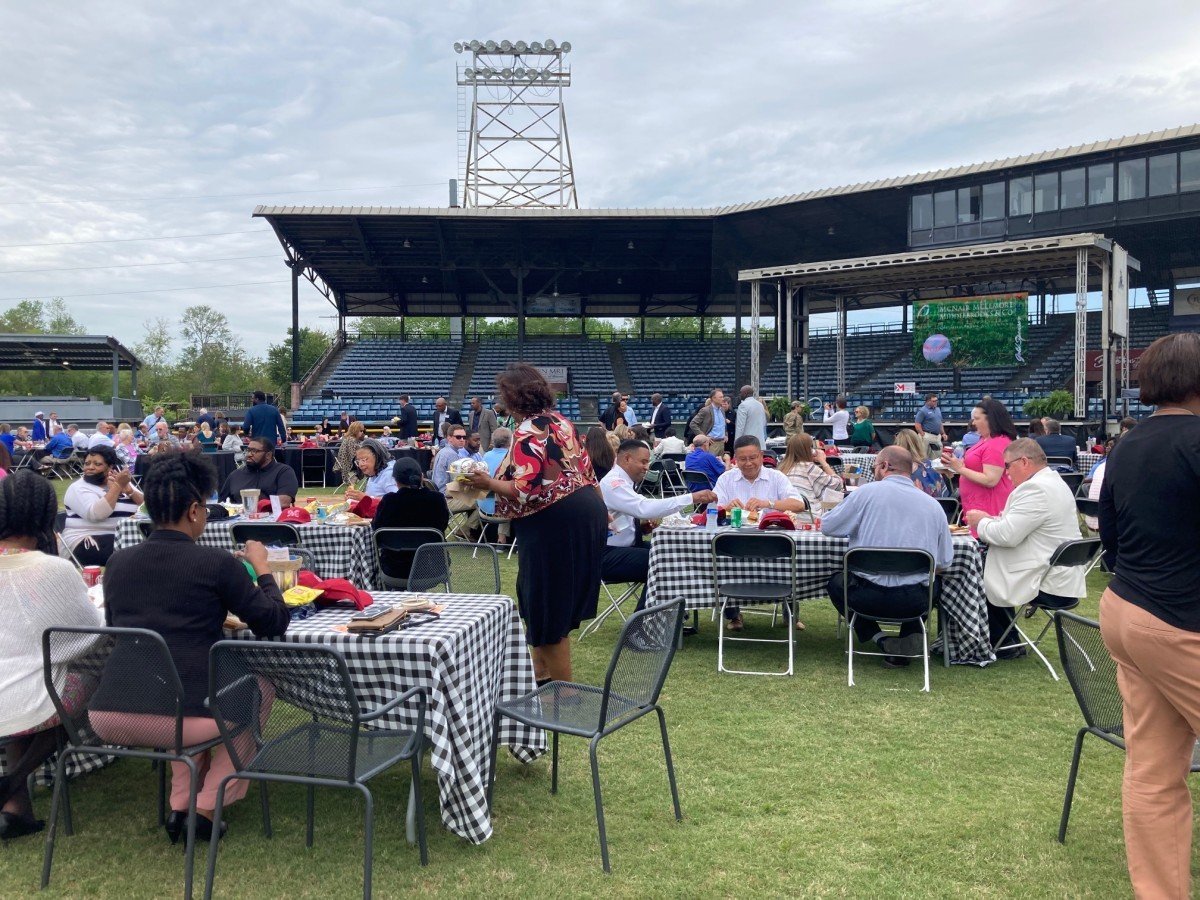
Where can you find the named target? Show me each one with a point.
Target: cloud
(674, 103)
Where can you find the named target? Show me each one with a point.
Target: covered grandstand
(1141, 192)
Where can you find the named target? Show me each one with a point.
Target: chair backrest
(1092, 673)
(641, 659)
(677, 457)
(1072, 480)
(951, 507)
(268, 532)
(890, 561)
(1065, 461)
(124, 670)
(1087, 507)
(60, 522)
(270, 688)
(396, 546)
(697, 481)
(460, 567)
(1079, 552)
(737, 556)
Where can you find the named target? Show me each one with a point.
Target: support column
(116, 384)
(737, 331)
(789, 347)
(1106, 340)
(804, 340)
(839, 304)
(1081, 260)
(755, 313)
(520, 313)
(133, 379)
(295, 392)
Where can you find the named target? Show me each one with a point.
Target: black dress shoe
(174, 825)
(204, 829)
(1011, 653)
(895, 662)
(14, 826)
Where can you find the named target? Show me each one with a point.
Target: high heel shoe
(176, 827)
(175, 824)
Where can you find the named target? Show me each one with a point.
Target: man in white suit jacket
(1039, 515)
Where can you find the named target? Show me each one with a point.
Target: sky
(124, 121)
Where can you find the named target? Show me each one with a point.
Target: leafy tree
(154, 351)
(377, 326)
(278, 367)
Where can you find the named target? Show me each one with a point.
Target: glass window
(1189, 170)
(922, 212)
(993, 200)
(968, 204)
(1020, 197)
(1100, 184)
(944, 208)
(1162, 175)
(1131, 179)
(1072, 188)
(1045, 192)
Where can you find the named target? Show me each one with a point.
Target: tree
(313, 343)
(677, 326)
(377, 326)
(212, 358)
(154, 351)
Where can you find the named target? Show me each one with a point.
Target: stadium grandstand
(748, 263)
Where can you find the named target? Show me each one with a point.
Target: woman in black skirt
(547, 488)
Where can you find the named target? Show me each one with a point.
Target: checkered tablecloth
(681, 565)
(864, 462)
(342, 551)
(1084, 461)
(473, 656)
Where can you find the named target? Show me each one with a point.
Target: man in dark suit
(660, 417)
(442, 417)
(406, 422)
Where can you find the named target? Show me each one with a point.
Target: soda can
(735, 517)
(91, 575)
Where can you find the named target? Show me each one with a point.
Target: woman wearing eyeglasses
(982, 481)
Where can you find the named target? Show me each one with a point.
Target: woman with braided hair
(184, 592)
(37, 590)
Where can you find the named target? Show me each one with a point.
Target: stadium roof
(59, 352)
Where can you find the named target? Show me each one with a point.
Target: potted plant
(1056, 405)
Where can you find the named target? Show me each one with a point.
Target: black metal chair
(1081, 552)
(130, 662)
(737, 560)
(456, 567)
(888, 561)
(395, 546)
(312, 466)
(632, 685)
(283, 534)
(1072, 479)
(1064, 461)
(696, 481)
(1092, 674)
(303, 724)
(60, 522)
(672, 478)
(951, 507)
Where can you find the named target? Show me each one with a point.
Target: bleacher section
(591, 371)
(389, 368)
(865, 353)
(681, 367)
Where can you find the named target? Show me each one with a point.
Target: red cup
(91, 575)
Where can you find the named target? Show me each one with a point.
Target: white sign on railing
(904, 387)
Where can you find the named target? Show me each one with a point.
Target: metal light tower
(518, 154)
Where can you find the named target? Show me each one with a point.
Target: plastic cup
(91, 575)
(250, 500)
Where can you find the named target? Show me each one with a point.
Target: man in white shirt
(751, 486)
(1038, 516)
(626, 559)
(669, 444)
(751, 416)
(78, 438)
(100, 438)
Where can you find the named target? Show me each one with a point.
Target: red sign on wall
(1095, 364)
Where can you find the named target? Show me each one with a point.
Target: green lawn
(795, 785)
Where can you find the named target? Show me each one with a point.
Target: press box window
(993, 200)
(1045, 192)
(1163, 178)
(1131, 179)
(943, 209)
(1100, 184)
(922, 212)
(1020, 197)
(969, 200)
(1072, 188)
(1189, 170)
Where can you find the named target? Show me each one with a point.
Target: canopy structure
(1084, 259)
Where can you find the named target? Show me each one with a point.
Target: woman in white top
(375, 463)
(37, 590)
(837, 417)
(807, 469)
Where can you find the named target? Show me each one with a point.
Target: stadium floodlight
(506, 46)
(475, 46)
(521, 46)
(468, 72)
(491, 47)
(506, 73)
(518, 73)
(566, 47)
(550, 45)
(536, 46)
(458, 47)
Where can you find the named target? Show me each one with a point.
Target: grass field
(789, 786)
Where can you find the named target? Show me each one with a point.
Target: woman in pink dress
(982, 482)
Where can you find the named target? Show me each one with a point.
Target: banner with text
(967, 332)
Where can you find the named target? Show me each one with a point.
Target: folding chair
(888, 561)
(312, 464)
(632, 685)
(60, 522)
(1064, 461)
(314, 732)
(654, 483)
(736, 559)
(1082, 552)
(1092, 674)
(488, 519)
(696, 481)
(390, 541)
(951, 507)
(133, 662)
(632, 589)
(672, 478)
(459, 568)
(1072, 479)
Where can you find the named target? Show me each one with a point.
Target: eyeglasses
(458, 437)
(1011, 461)
(253, 450)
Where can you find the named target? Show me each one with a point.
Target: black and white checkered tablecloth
(342, 551)
(864, 462)
(1084, 461)
(468, 659)
(681, 565)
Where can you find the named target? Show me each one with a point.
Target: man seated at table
(386, 438)
(889, 512)
(162, 434)
(701, 460)
(1054, 442)
(95, 506)
(78, 438)
(1038, 516)
(23, 440)
(754, 487)
(669, 444)
(456, 441)
(474, 446)
(626, 558)
(102, 436)
(262, 471)
(59, 447)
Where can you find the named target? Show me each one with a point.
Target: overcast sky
(130, 120)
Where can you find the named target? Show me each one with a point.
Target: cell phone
(374, 611)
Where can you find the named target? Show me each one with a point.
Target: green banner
(970, 332)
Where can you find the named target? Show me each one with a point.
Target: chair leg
(662, 726)
(60, 776)
(310, 802)
(189, 847)
(368, 840)
(210, 874)
(492, 768)
(416, 793)
(850, 649)
(554, 764)
(592, 745)
(925, 655)
(162, 792)
(1066, 812)
(265, 803)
